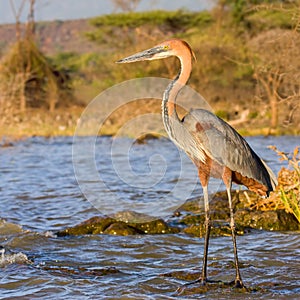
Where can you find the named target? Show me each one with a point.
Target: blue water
(39, 194)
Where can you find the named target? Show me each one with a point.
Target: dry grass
(287, 193)
(27, 78)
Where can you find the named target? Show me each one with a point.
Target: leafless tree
(125, 5)
(30, 25)
(17, 14)
(276, 70)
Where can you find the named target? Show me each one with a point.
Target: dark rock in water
(6, 144)
(130, 216)
(121, 228)
(143, 139)
(191, 215)
(189, 218)
(81, 272)
(108, 225)
(217, 229)
(94, 225)
(267, 220)
(158, 226)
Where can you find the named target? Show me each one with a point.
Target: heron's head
(174, 47)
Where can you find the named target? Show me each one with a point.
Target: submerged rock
(9, 228)
(81, 272)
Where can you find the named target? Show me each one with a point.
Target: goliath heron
(213, 145)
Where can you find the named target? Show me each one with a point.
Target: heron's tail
(273, 178)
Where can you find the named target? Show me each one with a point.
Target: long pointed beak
(144, 55)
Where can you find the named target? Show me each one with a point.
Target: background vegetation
(248, 65)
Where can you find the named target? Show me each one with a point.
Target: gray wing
(223, 144)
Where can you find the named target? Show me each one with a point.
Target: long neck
(169, 98)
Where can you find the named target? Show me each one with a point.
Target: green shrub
(170, 18)
(269, 18)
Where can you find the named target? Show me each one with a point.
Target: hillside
(55, 37)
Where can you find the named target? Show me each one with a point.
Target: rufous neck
(170, 94)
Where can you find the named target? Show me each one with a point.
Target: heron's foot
(183, 286)
(238, 284)
(200, 281)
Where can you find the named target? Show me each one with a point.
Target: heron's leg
(203, 173)
(207, 233)
(203, 277)
(238, 279)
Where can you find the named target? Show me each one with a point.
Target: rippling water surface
(39, 195)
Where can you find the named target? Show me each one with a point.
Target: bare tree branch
(125, 5)
(17, 14)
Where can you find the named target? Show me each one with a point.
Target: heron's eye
(166, 47)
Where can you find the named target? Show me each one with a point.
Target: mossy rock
(121, 228)
(191, 205)
(108, 225)
(192, 219)
(94, 225)
(218, 202)
(158, 226)
(191, 215)
(217, 229)
(266, 220)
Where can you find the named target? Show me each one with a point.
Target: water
(39, 195)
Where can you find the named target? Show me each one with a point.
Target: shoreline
(63, 122)
(16, 135)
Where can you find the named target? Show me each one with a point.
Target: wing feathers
(224, 145)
